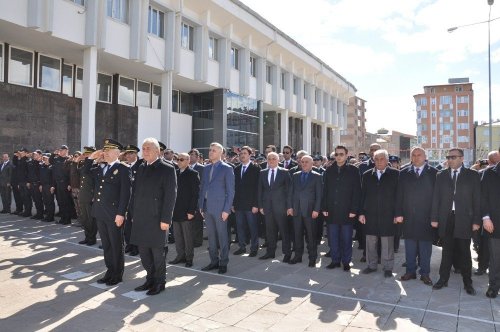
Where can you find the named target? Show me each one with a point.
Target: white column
(324, 148)
(284, 128)
(135, 23)
(319, 106)
(261, 78)
(244, 54)
(340, 110)
(166, 107)
(300, 96)
(311, 106)
(306, 138)
(89, 92)
(326, 112)
(224, 63)
(201, 53)
(289, 91)
(275, 81)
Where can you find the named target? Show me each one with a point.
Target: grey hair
(218, 145)
(152, 140)
(381, 151)
(418, 148)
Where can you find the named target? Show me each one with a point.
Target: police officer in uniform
(23, 182)
(131, 152)
(111, 197)
(60, 168)
(85, 198)
(34, 183)
(47, 188)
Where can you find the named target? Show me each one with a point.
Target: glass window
(175, 101)
(126, 91)
(445, 100)
(156, 24)
(79, 2)
(187, 37)
(295, 86)
(282, 81)
(253, 67)
(143, 94)
(235, 58)
(268, 74)
(118, 9)
(156, 102)
(212, 48)
(67, 80)
(21, 67)
(79, 82)
(49, 73)
(1, 62)
(186, 103)
(104, 87)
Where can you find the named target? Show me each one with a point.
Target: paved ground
(48, 283)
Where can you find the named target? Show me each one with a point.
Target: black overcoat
(188, 188)
(490, 197)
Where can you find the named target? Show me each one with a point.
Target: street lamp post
(490, 3)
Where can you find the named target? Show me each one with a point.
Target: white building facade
(188, 72)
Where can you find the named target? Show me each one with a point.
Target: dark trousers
(17, 198)
(360, 236)
(244, 220)
(153, 260)
(48, 201)
(197, 229)
(422, 249)
(462, 247)
(64, 200)
(307, 224)
(483, 253)
(320, 227)
(340, 240)
(26, 197)
(183, 233)
(37, 198)
(277, 221)
(127, 228)
(6, 193)
(112, 245)
(494, 275)
(88, 222)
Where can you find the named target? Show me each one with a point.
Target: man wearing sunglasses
(456, 214)
(287, 154)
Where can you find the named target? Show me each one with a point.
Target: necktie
(243, 169)
(455, 181)
(105, 169)
(379, 173)
(211, 173)
(286, 163)
(3, 165)
(417, 171)
(272, 178)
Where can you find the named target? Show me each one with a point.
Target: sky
(390, 49)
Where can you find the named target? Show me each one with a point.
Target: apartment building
(354, 136)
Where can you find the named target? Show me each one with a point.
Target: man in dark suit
(23, 181)
(215, 201)
(341, 194)
(34, 183)
(153, 198)
(305, 199)
(85, 196)
(378, 200)
(5, 183)
(188, 187)
(14, 184)
(111, 198)
(134, 162)
(246, 202)
(490, 211)
(197, 227)
(288, 163)
(456, 213)
(413, 210)
(60, 169)
(274, 201)
(47, 188)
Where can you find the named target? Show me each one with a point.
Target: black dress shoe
(113, 281)
(103, 280)
(253, 253)
(491, 293)
(347, 267)
(479, 272)
(240, 251)
(189, 263)
(156, 289)
(332, 265)
(100, 246)
(440, 284)
(362, 259)
(388, 273)
(134, 252)
(457, 271)
(177, 261)
(222, 269)
(4, 211)
(91, 243)
(26, 215)
(294, 260)
(408, 276)
(83, 241)
(426, 280)
(210, 267)
(38, 217)
(286, 259)
(312, 263)
(368, 270)
(267, 256)
(470, 290)
(263, 245)
(128, 248)
(145, 286)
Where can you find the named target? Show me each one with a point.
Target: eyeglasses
(182, 159)
(452, 157)
(340, 154)
(286, 152)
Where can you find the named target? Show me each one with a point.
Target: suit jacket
(378, 201)
(219, 190)
(274, 198)
(188, 187)
(199, 168)
(86, 184)
(292, 164)
(365, 166)
(246, 187)
(490, 197)
(153, 199)
(6, 173)
(111, 191)
(341, 193)
(467, 202)
(306, 196)
(414, 202)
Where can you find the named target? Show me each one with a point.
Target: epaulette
(124, 163)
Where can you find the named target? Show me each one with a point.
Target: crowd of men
(134, 204)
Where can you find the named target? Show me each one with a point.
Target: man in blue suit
(215, 201)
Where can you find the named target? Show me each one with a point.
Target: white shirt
(108, 166)
(269, 174)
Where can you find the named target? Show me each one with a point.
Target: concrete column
(224, 63)
(325, 149)
(275, 81)
(284, 128)
(91, 22)
(244, 54)
(340, 109)
(326, 111)
(344, 116)
(261, 78)
(201, 53)
(135, 19)
(300, 96)
(166, 107)
(319, 106)
(34, 15)
(307, 134)
(173, 41)
(89, 94)
(311, 106)
(289, 91)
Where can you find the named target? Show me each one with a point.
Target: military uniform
(85, 201)
(130, 248)
(60, 169)
(23, 184)
(46, 183)
(34, 182)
